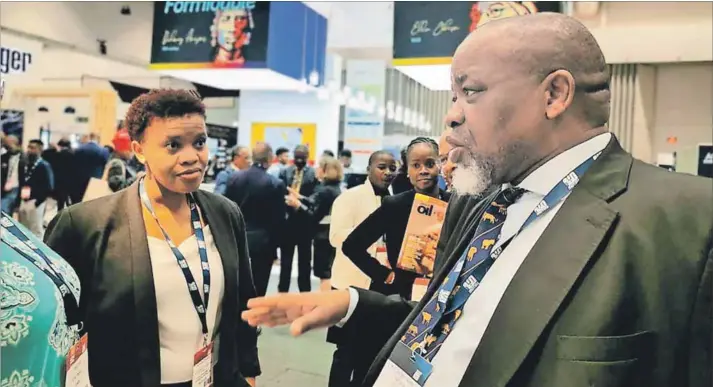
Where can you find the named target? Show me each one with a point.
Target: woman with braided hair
(391, 219)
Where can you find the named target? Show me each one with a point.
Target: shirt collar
(543, 179)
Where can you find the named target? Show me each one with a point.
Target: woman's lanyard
(48, 267)
(200, 303)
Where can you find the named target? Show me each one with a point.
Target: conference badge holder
(203, 366)
(25, 193)
(78, 364)
(405, 368)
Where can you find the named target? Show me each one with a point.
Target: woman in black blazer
(318, 207)
(150, 257)
(390, 221)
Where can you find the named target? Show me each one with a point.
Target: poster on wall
(434, 29)
(12, 123)
(364, 130)
(285, 135)
(209, 34)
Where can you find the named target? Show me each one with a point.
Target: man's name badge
(78, 365)
(203, 367)
(420, 285)
(405, 368)
(25, 193)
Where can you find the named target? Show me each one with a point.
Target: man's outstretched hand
(304, 311)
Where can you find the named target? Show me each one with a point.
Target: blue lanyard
(71, 305)
(200, 303)
(448, 300)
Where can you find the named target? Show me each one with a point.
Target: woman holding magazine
(391, 219)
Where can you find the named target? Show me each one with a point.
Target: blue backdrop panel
(295, 29)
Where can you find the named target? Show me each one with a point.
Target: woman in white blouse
(164, 266)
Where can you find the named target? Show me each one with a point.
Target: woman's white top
(179, 328)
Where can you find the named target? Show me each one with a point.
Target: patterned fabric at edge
(34, 335)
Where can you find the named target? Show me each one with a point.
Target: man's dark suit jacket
(309, 179)
(298, 219)
(105, 242)
(41, 180)
(389, 220)
(261, 198)
(617, 292)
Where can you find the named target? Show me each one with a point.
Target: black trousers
(349, 365)
(262, 255)
(303, 244)
(323, 253)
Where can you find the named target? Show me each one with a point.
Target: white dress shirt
(348, 211)
(179, 328)
(458, 349)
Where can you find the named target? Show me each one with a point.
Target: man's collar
(544, 178)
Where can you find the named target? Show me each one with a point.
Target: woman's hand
(304, 311)
(251, 382)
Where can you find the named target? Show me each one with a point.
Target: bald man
(587, 268)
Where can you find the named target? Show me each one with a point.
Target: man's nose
(454, 117)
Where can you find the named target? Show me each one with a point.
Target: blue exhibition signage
(286, 37)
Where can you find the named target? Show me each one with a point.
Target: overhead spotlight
(102, 46)
(314, 78)
(43, 109)
(69, 110)
(399, 114)
(126, 10)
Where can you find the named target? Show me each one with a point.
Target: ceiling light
(314, 78)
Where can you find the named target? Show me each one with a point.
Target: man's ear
(559, 93)
(138, 151)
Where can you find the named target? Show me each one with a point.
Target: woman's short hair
(332, 169)
(160, 103)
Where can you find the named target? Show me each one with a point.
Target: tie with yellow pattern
(431, 327)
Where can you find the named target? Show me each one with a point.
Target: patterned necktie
(297, 181)
(431, 327)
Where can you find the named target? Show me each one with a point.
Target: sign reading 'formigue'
(209, 34)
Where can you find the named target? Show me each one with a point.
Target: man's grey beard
(472, 177)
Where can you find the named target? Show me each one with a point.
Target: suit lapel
(550, 271)
(143, 286)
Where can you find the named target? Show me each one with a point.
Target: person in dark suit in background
(36, 185)
(90, 159)
(63, 168)
(389, 222)
(609, 284)
(301, 178)
(163, 265)
(260, 196)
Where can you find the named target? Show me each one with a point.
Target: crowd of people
(562, 260)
